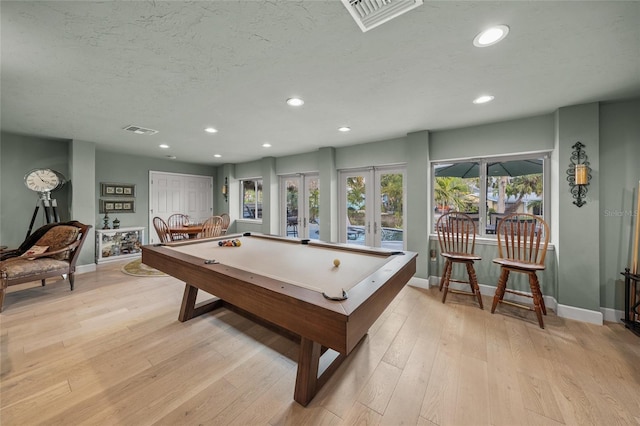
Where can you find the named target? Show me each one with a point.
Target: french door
(372, 207)
(300, 208)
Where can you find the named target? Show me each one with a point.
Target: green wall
(85, 167)
(578, 234)
(117, 168)
(18, 155)
(524, 135)
(83, 175)
(619, 177)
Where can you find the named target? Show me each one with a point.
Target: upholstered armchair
(51, 251)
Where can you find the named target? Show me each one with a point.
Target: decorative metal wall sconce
(225, 189)
(579, 174)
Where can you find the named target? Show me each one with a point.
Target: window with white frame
(487, 189)
(251, 198)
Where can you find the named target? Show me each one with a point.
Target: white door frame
(372, 228)
(203, 198)
(302, 180)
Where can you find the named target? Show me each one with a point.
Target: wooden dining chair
(176, 221)
(457, 238)
(226, 220)
(522, 247)
(212, 227)
(162, 229)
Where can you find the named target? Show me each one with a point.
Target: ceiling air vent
(369, 14)
(140, 130)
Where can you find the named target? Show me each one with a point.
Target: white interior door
(171, 193)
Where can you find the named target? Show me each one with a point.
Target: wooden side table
(631, 302)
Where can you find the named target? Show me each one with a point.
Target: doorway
(372, 207)
(300, 195)
(171, 193)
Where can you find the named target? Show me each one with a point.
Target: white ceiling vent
(369, 14)
(140, 130)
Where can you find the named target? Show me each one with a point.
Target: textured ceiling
(84, 70)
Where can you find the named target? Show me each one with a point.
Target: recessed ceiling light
(211, 130)
(217, 155)
(164, 146)
(171, 157)
(491, 36)
(266, 145)
(344, 129)
(483, 99)
(295, 102)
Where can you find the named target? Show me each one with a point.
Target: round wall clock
(43, 180)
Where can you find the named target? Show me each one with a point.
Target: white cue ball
(336, 262)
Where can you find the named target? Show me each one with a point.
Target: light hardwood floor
(112, 352)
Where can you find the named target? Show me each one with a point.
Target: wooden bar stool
(522, 246)
(457, 239)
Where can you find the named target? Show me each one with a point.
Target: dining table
(192, 230)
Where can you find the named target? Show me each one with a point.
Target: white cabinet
(119, 244)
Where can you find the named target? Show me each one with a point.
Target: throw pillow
(59, 237)
(35, 250)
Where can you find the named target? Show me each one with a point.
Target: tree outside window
(512, 186)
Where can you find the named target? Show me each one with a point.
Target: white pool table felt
(309, 266)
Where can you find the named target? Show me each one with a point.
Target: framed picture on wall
(117, 190)
(117, 206)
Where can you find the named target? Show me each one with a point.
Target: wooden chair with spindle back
(178, 220)
(162, 229)
(457, 238)
(226, 220)
(212, 227)
(522, 247)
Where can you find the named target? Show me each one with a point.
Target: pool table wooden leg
(189, 309)
(307, 377)
(308, 383)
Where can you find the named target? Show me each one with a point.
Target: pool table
(293, 286)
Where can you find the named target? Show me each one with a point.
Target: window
(488, 189)
(251, 198)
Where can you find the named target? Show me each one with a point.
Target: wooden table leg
(308, 381)
(189, 309)
(307, 377)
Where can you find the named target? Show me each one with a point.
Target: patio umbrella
(462, 170)
(470, 169)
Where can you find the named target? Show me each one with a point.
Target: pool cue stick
(634, 259)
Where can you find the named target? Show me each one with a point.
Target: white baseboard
(419, 282)
(612, 315)
(82, 269)
(580, 314)
(563, 311)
